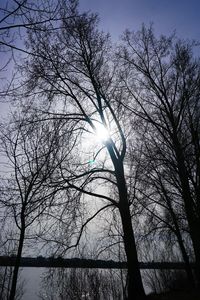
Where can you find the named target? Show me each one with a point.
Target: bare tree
(72, 78)
(8, 246)
(158, 193)
(16, 17)
(32, 154)
(73, 71)
(162, 76)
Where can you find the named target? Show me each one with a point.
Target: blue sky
(167, 15)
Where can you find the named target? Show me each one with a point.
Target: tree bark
(3, 283)
(192, 216)
(135, 285)
(17, 264)
(188, 268)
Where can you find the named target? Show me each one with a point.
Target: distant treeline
(60, 262)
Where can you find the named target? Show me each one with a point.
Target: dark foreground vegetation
(76, 281)
(111, 284)
(177, 295)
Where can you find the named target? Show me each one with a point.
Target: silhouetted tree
(159, 196)
(72, 79)
(15, 18)
(32, 153)
(73, 71)
(7, 248)
(162, 76)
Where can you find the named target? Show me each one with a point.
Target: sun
(101, 132)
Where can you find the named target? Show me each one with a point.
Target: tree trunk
(135, 286)
(17, 264)
(3, 283)
(188, 268)
(192, 216)
(9, 282)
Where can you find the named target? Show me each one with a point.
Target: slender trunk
(9, 282)
(3, 283)
(196, 244)
(188, 268)
(17, 264)
(192, 216)
(135, 286)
